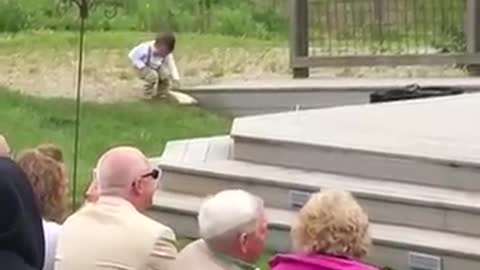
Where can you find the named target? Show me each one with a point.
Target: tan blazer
(197, 256)
(112, 234)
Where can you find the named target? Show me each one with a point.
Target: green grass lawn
(28, 121)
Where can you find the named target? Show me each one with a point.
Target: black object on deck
(413, 91)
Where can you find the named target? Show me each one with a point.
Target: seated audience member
(233, 230)
(112, 233)
(50, 186)
(21, 231)
(330, 233)
(4, 147)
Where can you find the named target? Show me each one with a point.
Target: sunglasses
(154, 174)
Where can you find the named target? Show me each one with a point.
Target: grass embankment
(28, 121)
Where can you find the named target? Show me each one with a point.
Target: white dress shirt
(51, 231)
(140, 58)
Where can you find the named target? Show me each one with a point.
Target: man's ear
(137, 187)
(243, 239)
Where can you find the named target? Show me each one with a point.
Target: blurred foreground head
(233, 222)
(21, 231)
(5, 150)
(125, 172)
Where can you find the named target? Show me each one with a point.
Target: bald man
(4, 147)
(112, 233)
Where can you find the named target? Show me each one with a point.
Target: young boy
(155, 65)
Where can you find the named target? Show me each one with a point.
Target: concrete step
(198, 150)
(430, 142)
(394, 246)
(253, 97)
(386, 201)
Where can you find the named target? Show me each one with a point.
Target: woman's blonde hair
(332, 222)
(52, 151)
(47, 177)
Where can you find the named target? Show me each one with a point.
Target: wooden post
(299, 35)
(208, 7)
(378, 8)
(472, 32)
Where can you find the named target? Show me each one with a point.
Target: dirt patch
(108, 76)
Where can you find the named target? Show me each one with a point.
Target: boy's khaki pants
(157, 82)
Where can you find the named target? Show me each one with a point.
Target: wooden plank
(182, 98)
(386, 60)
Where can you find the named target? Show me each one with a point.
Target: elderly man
(4, 147)
(112, 233)
(233, 231)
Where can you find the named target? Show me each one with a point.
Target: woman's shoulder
(290, 261)
(316, 261)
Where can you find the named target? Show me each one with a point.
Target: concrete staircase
(414, 166)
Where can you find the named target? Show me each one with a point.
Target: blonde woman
(50, 185)
(330, 233)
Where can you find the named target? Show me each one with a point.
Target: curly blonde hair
(51, 150)
(332, 222)
(48, 180)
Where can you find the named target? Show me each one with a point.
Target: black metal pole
(83, 6)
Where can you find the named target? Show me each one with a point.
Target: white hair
(229, 211)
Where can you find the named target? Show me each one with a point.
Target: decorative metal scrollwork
(110, 8)
(63, 6)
